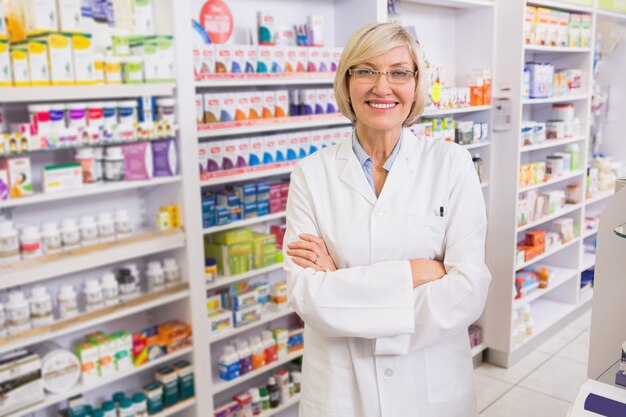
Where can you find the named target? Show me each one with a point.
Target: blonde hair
(368, 43)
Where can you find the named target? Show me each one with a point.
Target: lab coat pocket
(425, 234)
(449, 369)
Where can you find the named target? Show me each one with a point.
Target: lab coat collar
(403, 166)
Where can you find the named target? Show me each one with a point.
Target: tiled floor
(544, 383)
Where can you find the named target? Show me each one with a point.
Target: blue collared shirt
(366, 161)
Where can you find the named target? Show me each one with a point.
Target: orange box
(536, 237)
(533, 251)
(174, 335)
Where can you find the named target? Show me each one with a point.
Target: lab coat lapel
(351, 172)
(403, 167)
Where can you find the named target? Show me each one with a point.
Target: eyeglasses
(398, 76)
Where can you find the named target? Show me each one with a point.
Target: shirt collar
(363, 157)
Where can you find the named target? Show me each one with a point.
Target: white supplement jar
(40, 306)
(123, 227)
(51, 238)
(9, 244)
(67, 302)
(106, 229)
(110, 290)
(87, 160)
(17, 312)
(172, 272)
(155, 277)
(88, 230)
(70, 235)
(30, 242)
(93, 295)
(114, 164)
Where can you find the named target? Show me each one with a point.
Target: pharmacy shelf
(274, 411)
(175, 409)
(558, 99)
(245, 223)
(563, 5)
(477, 350)
(82, 388)
(588, 261)
(271, 125)
(546, 254)
(222, 385)
(557, 180)
(476, 145)
(87, 191)
(222, 281)
(551, 143)
(559, 49)
(615, 16)
(266, 317)
(599, 197)
(256, 80)
(64, 263)
(94, 318)
(245, 174)
(430, 112)
(589, 233)
(456, 4)
(569, 208)
(561, 276)
(88, 92)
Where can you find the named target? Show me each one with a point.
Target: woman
(385, 260)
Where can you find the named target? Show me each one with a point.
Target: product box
(257, 145)
(315, 30)
(227, 107)
(585, 31)
(314, 59)
(327, 138)
(88, 355)
(281, 148)
(123, 351)
(242, 105)
(199, 109)
(82, 54)
(266, 27)
(256, 105)
(307, 98)
(316, 141)
(247, 315)
(278, 295)
(541, 79)
(250, 60)
(21, 380)
(242, 152)
(154, 395)
(6, 80)
(575, 20)
(241, 300)
(148, 49)
(321, 100)
(19, 173)
(542, 26)
(563, 30)
(137, 161)
(264, 59)
(278, 59)
(207, 63)
(186, 387)
(165, 55)
(223, 61)
(4, 185)
(220, 320)
(38, 62)
(269, 104)
(564, 227)
(59, 57)
(232, 237)
(281, 105)
(291, 59)
(143, 17)
(231, 259)
(69, 16)
(62, 177)
(211, 108)
(327, 59)
(302, 59)
(529, 24)
(229, 155)
(269, 149)
(285, 36)
(19, 64)
(168, 377)
(40, 15)
(164, 158)
(293, 146)
(304, 144)
(174, 335)
(215, 155)
(106, 356)
(237, 59)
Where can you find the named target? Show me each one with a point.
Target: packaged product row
(601, 176)
(256, 105)
(522, 325)
(19, 314)
(528, 280)
(50, 368)
(210, 59)
(231, 154)
(542, 80)
(557, 164)
(539, 241)
(534, 205)
(244, 201)
(240, 358)
(281, 387)
(62, 125)
(441, 96)
(26, 16)
(549, 27)
(562, 125)
(240, 250)
(463, 132)
(90, 166)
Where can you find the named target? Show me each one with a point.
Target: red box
(536, 237)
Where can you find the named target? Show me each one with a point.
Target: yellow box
(82, 54)
(5, 64)
(38, 62)
(174, 214)
(59, 56)
(19, 64)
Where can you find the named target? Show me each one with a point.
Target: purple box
(137, 161)
(165, 158)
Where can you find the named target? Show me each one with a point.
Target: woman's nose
(381, 85)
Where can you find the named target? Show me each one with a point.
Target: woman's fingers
(300, 244)
(303, 253)
(304, 263)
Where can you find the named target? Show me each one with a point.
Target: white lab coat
(374, 345)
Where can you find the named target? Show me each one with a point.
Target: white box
(316, 141)
(257, 144)
(281, 147)
(211, 108)
(40, 15)
(144, 20)
(82, 54)
(199, 109)
(62, 177)
(281, 103)
(20, 377)
(270, 147)
(223, 60)
(69, 15)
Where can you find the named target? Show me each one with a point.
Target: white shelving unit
(91, 92)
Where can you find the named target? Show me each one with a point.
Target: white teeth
(381, 105)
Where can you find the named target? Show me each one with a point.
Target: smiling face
(380, 106)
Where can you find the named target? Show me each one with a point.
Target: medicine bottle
(106, 228)
(127, 284)
(17, 312)
(123, 226)
(210, 269)
(166, 110)
(70, 235)
(245, 356)
(98, 156)
(40, 306)
(67, 302)
(258, 352)
(134, 272)
(110, 289)
(95, 115)
(127, 111)
(271, 350)
(265, 398)
(109, 409)
(92, 292)
(30, 242)
(57, 117)
(172, 272)
(88, 230)
(229, 365)
(9, 244)
(76, 115)
(155, 277)
(50, 238)
(87, 160)
(125, 408)
(109, 114)
(257, 405)
(272, 388)
(297, 381)
(3, 321)
(114, 164)
(140, 405)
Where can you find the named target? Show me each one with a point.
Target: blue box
(263, 208)
(263, 191)
(250, 210)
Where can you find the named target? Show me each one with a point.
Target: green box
(231, 259)
(169, 378)
(231, 237)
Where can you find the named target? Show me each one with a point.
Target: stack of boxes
(449, 130)
(539, 241)
(21, 380)
(550, 27)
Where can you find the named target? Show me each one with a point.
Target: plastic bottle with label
(258, 352)
(271, 350)
(127, 284)
(229, 364)
(87, 160)
(50, 238)
(110, 289)
(9, 244)
(70, 234)
(172, 272)
(67, 302)
(40, 306)
(274, 392)
(123, 225)
(88, 230)
(114, 164)
(98, 156)
(140, 405)
(106, 227)
(257, 405)
(265, 398)
(92, 292)
(155, 277)
(125, 408)
(17, 313)
(30, 242)
(245, 356)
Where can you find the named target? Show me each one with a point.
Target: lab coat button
(379, 212)
(388, 372)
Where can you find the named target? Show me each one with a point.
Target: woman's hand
(311, 252)
(426, 270)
